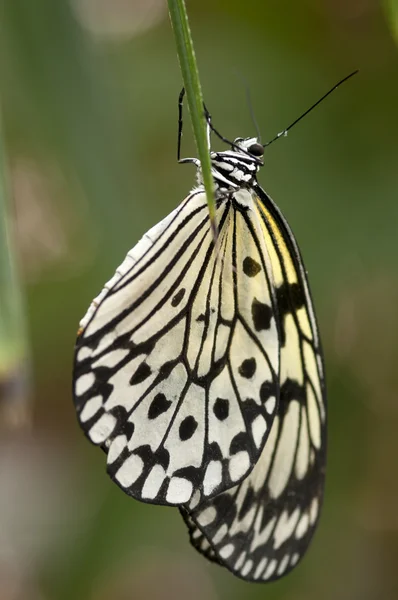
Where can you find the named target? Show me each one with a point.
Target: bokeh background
(89, 99)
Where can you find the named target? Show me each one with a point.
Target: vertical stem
(190, 75)
(13, 345)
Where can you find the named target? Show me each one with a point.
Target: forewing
(168, 379)
(261, 528)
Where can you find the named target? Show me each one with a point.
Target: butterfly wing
(261, 528)
(177, 359)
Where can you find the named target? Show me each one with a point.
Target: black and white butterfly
(199, 371)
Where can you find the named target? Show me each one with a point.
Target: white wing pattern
(176, 366)
(199, 372)
(261, 528)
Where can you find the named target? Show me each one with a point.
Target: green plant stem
(190, 76)
(13, 346)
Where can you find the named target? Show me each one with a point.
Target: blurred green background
(89, 96)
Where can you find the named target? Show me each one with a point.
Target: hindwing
(260, 528)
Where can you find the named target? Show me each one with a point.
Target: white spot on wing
(314, 510)
(83, 353)
(240, 561)
(226, 551)
(130, 470)
(212, 477)
(179, 490)
(84, 383)
(303, 451)
(194, 500)
(260, 568)
(259, 427)
(91, 407)
(270, 405)
(247, 567)
(302, 526)
(239, 464)
(283, 564)
(270, 569)
(104, 342)
(207, 516)
(102, 428)
(153, 482)
(221, 533)
(116, 448)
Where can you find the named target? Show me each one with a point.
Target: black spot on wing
(290, 297)
(248, 368)
(261, 315)
(205, 317)
(214, 452)
(267, 390)
(158, 406)
(187, 428)
(225, 506)
(143, 371)
(167, 368)
(290, 390)
(239, 442)
(178, 297)
(221, 409)
(251, 267)
(162, 457)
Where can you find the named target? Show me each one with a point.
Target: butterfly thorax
(237, 168)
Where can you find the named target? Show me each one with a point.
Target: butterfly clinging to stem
(198, 370)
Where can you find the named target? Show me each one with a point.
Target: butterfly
(199, 371)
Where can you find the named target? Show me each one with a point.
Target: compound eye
(256, 149)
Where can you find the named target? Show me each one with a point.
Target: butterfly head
(251, 147)
(237, 168)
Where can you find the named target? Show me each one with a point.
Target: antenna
(253, 116)
(226, 141)
(249, 103)
(210, 126)
(284, 132)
